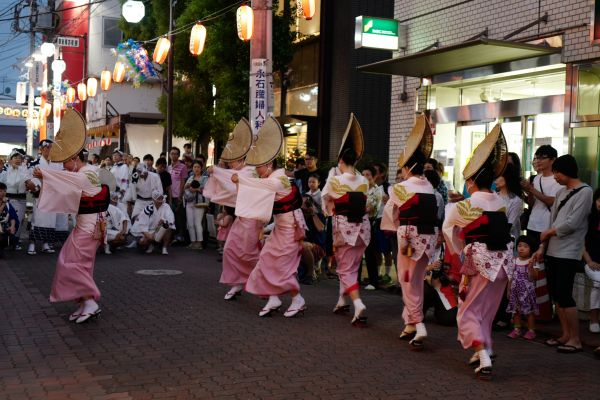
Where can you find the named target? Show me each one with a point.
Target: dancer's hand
(37, 173)
(235, 178)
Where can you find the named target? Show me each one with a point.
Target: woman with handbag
(478, 228)
(195, 207)
(276, 271)
(345, 198)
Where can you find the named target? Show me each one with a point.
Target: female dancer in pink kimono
(478, 227)
(345, 197)
(415, 211)
(76, 190)
(242, 247)
(275, 273)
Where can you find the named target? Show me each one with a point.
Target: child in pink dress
(224, 221)
(521, 289)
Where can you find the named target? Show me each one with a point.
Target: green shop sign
(379, 33)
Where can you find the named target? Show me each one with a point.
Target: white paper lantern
(133, 11)
(47, 49)
(21, 92)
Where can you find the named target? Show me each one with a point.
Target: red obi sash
(291, 202)
(95, 204)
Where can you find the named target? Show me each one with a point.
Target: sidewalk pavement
(173, 336)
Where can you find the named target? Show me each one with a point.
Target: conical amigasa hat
(70, 138)
(492, 148)
(267, 144)
(239, 142)
(353, 138)
(420, 139)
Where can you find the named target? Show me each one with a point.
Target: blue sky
(13, 47)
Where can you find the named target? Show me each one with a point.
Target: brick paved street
(174, 337)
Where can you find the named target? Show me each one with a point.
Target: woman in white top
(509, 188)
(194, 205)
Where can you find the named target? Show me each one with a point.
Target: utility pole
(32, 7)
(261, 64)
(170, 78)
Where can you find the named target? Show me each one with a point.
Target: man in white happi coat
(44, 223)
(143, 183)
(117, 225)
(121, 172)
(17, 178)
(155, 225)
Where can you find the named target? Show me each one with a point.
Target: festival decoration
(70, 95)
(119, 72)
(82, 92)
(245, 22)
(197, 39)
(133, 63)
(105, 80)
(133, 11)
(161, 51)
(92, 87)
(306, 8)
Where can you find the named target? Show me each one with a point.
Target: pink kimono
(62, 192)
(484, 271)
(242, 247)
(350, 239)
(405, 197)
(276, 270)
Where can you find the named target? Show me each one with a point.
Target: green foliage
(224, 63)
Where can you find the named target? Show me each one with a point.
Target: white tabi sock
(421, 331)
(484, 359)
(358, 305)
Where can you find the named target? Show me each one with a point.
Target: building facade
(529, 65)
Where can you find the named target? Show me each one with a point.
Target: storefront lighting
(71, 95)
(119, 72)
(161, 51)
(82, 92)
(105, 80)
(245, 22)
(92, 87)
(425, 82)
(133, 11)
(197, 39)
(38, 101)
(308, 8)
(47, 49)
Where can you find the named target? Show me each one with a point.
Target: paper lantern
(133, 11)
(71, 95)
(197, 39)
(58, 66)
(47, 49)
(245, 22)
(57, 108)
(105, 80)
(308, 8)
(82, 92)
(92, 87)
(161, 51)
(119, 72)
(21, 95)
(48, 109)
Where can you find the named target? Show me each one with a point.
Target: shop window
(111, 33)
(588, 90)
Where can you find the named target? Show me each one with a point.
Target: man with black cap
(121, 172)
(563, 245)
(43, 224)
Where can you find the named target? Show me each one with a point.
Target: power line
(53, 12)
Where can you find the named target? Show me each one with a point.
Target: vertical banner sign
(260, 92)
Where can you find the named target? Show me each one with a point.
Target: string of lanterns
(198, 34)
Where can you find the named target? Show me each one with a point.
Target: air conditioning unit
(44, 19)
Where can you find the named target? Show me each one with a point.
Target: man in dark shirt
(303, 174)
(165, 177)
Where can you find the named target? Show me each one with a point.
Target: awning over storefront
(471, 54)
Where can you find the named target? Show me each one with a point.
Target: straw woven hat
(239, 142)
(267, 143)
(420, 139)
(70, 138)
(353, 138)
(494, 149)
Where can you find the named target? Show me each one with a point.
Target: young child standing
(521, 295)
(224, 221)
